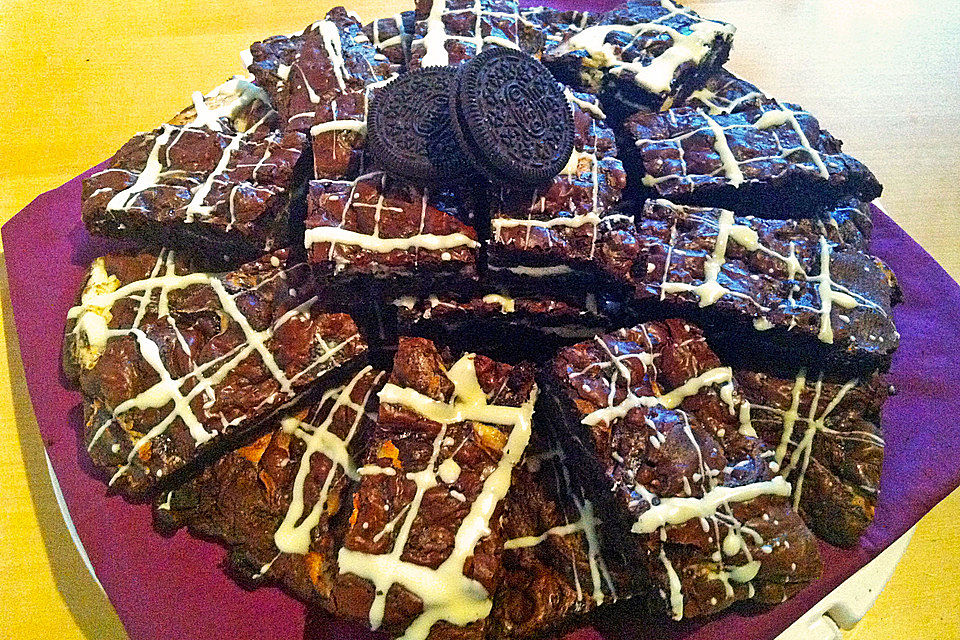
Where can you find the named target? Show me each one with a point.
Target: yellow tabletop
(80, 77)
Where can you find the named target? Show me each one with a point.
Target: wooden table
(79, 78)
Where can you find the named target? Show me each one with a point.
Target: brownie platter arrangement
(482, 322)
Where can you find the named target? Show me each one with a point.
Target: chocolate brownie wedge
(221, 193)
(422, 555)
(789, 291)
(766, 162)
(644, 52)
(654, 426)
(829, 445)
(276, 502)
(383, 229)
(557, 567)
(174, 361)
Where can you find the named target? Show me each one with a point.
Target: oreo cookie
(408, 127)
(511, 117)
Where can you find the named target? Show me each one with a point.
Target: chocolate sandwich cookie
(511, 117)
(409, 128)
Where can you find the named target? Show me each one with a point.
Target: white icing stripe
(507, 304)
(434, 42)
(779, 118)
(148, 177)
(330, 34)
(294, 535)
(731, 168)
(676, 588)
(671, 400)
(536, 272)
(358, 126)
(532, 541)
(447, 594)
(674, 511)
(828, 295)
(428, 241)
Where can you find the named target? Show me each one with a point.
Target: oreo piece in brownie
(382, 228)
(767, 162)
(511, 117)
(409, 128)
(828, 443)
(644, 52)
(391, 36)
(422, 554)
(276, 502)
(794, 291)
(174, 362)
(219, 192)
(546, 237)
(557, 567)
(497, 323)
(653, 425)
(449, 32)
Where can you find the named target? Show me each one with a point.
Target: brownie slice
(275, 503)
(547, 234)
(222, 193)
(829, 445)
(497, 324)
(767, 162)
(322, 77)
(383, 228)
(654, 426)
(449, 32)
(180, 361)
(790, 290)
(557, 566)
(422, 554)
(644, 52)
(391, 36)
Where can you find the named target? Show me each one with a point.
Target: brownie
(789, 290)
(556, 226)
(236, 105)
(422, 553)
(322, 85)
(654, 426)
(496, 324)
(557, 566)
(275, 503)
(391, 36)
(181, 361)
(644, 52)
(221, 193)
(448, 32)
(383, 228)
(765, 162)
(829, 445)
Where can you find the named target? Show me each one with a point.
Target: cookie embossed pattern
(638, 352)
